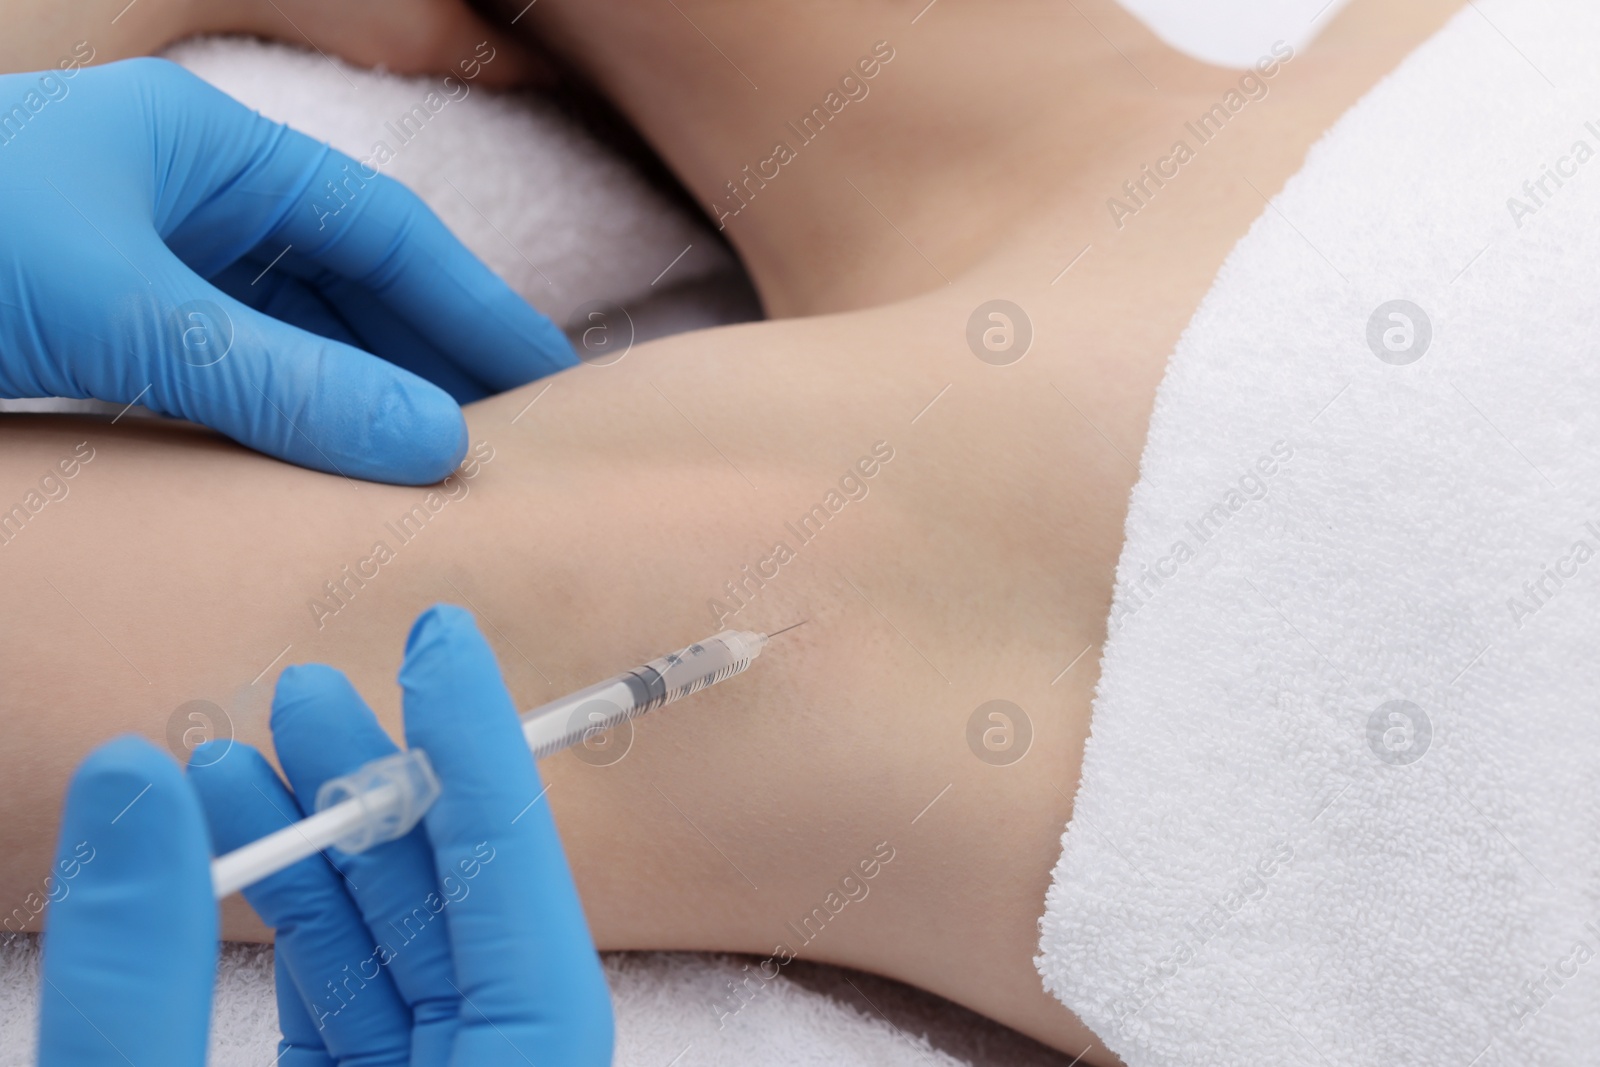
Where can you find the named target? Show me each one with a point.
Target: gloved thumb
(130, 947)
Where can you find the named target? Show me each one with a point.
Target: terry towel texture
(666, 1005)
(560, 218)
(1341, 802)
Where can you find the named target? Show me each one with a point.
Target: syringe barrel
(570, 720)
(384, 799)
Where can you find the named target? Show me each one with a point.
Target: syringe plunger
(394, 793)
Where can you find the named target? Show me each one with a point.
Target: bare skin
(616, 507)
(407, 37)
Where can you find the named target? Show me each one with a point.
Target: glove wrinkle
(145, 211)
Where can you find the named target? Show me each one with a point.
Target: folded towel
(560, 218)
(667, 1009)
(1341, 802)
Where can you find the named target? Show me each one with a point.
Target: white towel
(560, 218)
(1341, 802)
(1234, 33)
(667, 1008)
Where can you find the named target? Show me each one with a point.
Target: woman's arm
(407, 37)
(41, 34)
(603, 518)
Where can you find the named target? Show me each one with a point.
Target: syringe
(382, 800)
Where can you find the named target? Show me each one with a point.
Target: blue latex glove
(160, 242)
(462, 943)
(131, 931)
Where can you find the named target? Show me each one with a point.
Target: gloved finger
(326, 304)
(524, 960)
(301, 1043)
(286, 391)
(382, 237)
(286, 298)
(323, 729)
(385, 334)
(248, 182)
(158, 334)
(131, 935)
(328, 950)
(385, 239)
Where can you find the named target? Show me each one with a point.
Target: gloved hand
(161, 243)
(131, 931)
(461, 943)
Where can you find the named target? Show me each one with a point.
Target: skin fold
(607, 509)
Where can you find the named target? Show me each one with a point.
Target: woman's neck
(860, 153)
